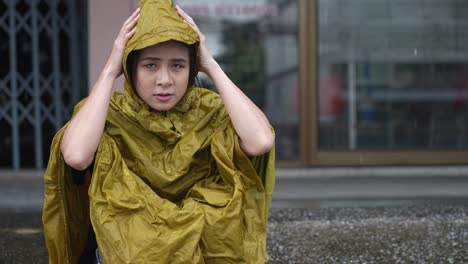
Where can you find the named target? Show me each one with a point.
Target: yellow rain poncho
(173, 188)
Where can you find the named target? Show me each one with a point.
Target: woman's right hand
(83, 134)
(114, 63)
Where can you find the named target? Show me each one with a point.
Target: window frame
(312, 155)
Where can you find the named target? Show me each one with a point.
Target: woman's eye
(150, 66)
(178, 66)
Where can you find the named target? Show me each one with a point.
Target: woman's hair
(132, 61)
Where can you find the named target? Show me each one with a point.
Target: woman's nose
(163, 78)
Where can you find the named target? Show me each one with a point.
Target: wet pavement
(411, 233)
(325, 232)
(21, 238)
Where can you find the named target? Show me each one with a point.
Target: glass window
(393, 75)
(255, 41)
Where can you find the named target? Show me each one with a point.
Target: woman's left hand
(206, 59)
(252, 126)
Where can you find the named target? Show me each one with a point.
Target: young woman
(172, 173)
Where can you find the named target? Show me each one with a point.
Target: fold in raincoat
(173, 188)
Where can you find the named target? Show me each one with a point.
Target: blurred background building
(352, 87)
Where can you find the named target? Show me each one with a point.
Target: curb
(23, 190)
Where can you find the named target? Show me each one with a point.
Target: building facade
(343, 82)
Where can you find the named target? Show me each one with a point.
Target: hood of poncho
(158, 22)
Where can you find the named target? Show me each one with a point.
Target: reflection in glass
(393, 74)
(256, 44)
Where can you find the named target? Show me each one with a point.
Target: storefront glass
(393, 75)
(255, 41)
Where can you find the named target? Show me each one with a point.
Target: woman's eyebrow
(149, 58)
(159, 59)
(179, 60)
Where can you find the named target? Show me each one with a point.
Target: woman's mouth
(163, 97)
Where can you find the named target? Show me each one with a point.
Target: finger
(129, 26)
(131, 33)
(187, 19)
(128, 30)
(184, 15)
(179, 9)
(133, 22)
(194, 27)
(132, 16)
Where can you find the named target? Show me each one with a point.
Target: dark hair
(132, 61)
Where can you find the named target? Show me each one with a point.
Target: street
(325, 232)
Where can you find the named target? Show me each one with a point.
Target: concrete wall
(105, 20)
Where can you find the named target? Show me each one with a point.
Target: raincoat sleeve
(66, 208)
(265, 167)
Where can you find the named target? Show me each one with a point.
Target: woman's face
(162, 74)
